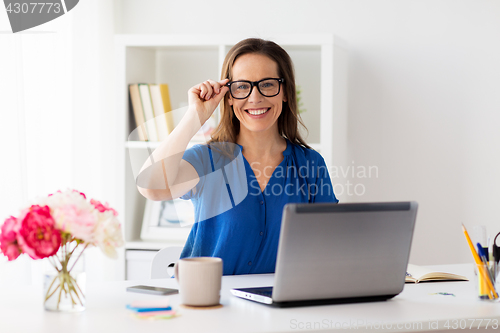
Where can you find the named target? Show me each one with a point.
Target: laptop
(339, 253)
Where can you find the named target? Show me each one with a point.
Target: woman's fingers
(217, 85)
(222, 91)
(215, 88)
(208, 94)
(209, 88)
(206, 90)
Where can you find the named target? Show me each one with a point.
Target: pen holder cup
(496, 277)
(484, 281)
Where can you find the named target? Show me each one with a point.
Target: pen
(492, 294)
(483, 287)
(482, 252)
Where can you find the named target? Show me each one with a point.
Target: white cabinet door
(139, 264)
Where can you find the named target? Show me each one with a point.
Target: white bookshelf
(182, 61)
(149, 245)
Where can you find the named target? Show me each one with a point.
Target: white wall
(423, 96)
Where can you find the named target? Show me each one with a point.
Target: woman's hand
(205, 97)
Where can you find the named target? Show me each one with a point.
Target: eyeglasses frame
(256, 84)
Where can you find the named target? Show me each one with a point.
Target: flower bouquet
(60, 227)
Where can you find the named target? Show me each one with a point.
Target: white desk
(21, 310)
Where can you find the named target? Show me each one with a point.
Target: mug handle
(176, 271)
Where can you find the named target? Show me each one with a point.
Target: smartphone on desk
(152, 290)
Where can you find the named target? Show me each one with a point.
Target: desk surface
(415, 309)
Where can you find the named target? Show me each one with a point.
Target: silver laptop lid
(343, 250)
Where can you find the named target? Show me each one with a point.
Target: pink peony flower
(103, 207)
(37, 234)
(8, 229)
(82, 194)
(80, 223)
(8, 239)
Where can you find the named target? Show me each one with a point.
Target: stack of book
(151, 106)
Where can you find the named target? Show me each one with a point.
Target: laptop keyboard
(264, 291)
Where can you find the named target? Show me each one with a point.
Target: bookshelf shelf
(182, 61)
(152, 145)
(140, 244)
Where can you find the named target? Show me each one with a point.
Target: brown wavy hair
(289, 119)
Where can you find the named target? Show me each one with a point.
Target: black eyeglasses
(267, 87)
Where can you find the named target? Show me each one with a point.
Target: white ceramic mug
(199, 280)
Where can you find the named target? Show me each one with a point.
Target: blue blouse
(234, 219)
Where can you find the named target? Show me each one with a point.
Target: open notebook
(415, 274)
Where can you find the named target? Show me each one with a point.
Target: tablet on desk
(337, 253)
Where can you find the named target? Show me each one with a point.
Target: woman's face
(257, 113)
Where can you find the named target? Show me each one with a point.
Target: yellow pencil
(491, 290)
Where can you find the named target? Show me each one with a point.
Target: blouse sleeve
(198, 156)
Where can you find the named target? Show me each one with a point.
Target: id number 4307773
(33, 7)
(471, 323)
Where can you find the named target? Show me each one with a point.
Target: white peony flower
(108, 234)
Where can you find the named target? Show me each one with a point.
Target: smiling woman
(257, 112)
(254, 146)
(259, 59)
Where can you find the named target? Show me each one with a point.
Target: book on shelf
(416, 274)
(161, 108)
(152, 111)
(135, 98)
(147, 107)
(167, 107)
